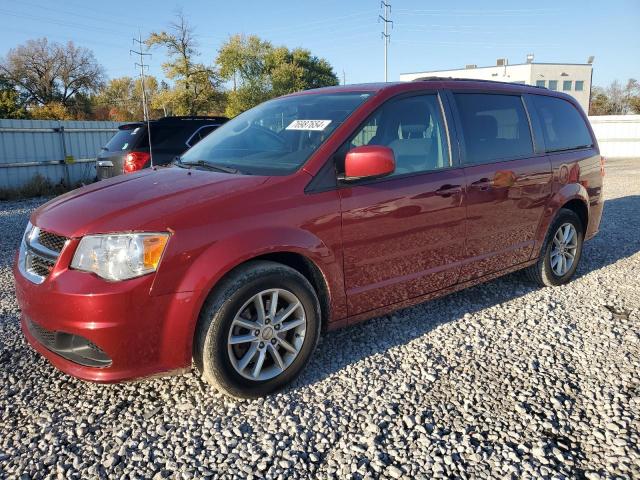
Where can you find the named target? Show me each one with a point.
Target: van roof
(436, 82)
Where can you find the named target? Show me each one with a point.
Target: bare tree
(52, 72)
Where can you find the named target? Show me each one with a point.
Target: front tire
(257, 330)
(560, 252)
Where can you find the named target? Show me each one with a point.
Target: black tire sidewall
(215, 359)
(549, 276)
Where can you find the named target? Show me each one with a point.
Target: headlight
(120, 256)
(27, 231)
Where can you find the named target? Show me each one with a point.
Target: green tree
(600, 103)
(259, 71)
(122, 97)
(196, 85)
(10, 104)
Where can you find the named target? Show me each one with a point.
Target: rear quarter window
(494, 126)
(562, 125)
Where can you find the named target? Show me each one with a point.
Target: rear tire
(248, 354)
(560, 252)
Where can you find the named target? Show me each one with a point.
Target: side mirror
(369, 161)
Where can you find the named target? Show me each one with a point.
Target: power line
(386, 36)
(145, 109)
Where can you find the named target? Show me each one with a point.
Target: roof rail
(192, 117)
(457, 79)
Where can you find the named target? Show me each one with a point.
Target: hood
(144, 201)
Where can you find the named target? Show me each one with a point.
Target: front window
(276, 137)
(579, 85)
(553, 85)
(566, 85)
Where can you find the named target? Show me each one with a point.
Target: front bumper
(140, 334)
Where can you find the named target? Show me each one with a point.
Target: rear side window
(169, 137)
(495, 127)
(562, 125)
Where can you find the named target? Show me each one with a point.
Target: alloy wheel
(267, 334)
(564, 249)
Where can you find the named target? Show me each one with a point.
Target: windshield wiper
(208, 166)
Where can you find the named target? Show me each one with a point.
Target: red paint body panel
(505, 201)
(379, 246)
(401, 239)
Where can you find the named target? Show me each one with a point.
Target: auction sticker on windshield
(317, 125)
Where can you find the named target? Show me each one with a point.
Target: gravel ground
(503, 380)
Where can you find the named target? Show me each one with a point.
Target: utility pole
(344, 78)
(386, 36)
(145, 109)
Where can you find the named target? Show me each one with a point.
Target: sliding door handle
(482, 184)
(448, 190)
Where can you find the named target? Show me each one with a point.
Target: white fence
(58, 150)
(618, 135)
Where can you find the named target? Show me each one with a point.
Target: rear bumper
(140, 334)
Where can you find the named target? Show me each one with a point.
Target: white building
(571, 78)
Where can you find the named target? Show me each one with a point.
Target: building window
(579, 85)
(540, 83)
(566, 85)
(553, 85)
(519, 82)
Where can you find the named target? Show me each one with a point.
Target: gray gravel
(504, 380)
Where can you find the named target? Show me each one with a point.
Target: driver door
(404, 234)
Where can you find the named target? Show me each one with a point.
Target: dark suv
(128, 150)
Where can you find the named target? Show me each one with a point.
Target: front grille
(51, 241)
(39, 253)
(40, 266)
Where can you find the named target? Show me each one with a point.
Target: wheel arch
(572, 196)
(580, 208)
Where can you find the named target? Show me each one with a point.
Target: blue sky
(426, 35)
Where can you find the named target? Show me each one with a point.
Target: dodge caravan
(308, 212)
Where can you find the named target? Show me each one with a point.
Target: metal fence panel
(618, 135)
(28, 147)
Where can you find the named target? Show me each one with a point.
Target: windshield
(276, 137)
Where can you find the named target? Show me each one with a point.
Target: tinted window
(562, 125)
(495, 127)
(413, 128)
(579, 85)
(125, 139)
(540, 83)
(553, 85)
(566, 85)
(166, 137)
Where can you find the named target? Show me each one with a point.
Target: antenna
(386, 36)
(145, 109)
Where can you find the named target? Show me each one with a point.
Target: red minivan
(309, 212)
